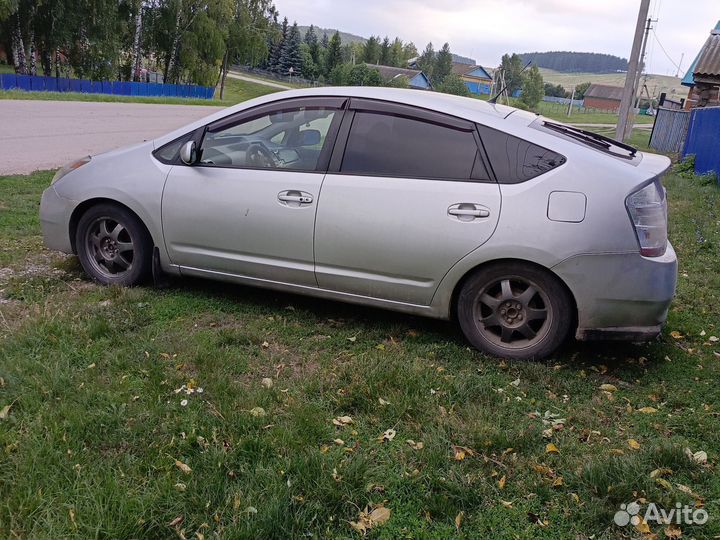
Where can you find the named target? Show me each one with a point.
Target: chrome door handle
(471, 213)
(468, 211)
(294, 198)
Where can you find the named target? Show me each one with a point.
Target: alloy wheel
(513, 312)
(110, 247)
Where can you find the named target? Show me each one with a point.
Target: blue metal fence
(702, 139)
(30, 83)
(477, 88)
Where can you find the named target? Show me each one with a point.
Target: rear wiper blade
(579, 136)
(589, 136)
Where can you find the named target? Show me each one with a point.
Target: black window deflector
(594, 139)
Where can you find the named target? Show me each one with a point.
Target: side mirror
(310, 137)
(188, 153)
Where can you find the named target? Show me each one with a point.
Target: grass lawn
(109, 435)
(235, 92)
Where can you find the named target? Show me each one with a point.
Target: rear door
(407, 195)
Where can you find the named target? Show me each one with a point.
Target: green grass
(558, 112)
(5, 68)
(89, 445)
(235, 92)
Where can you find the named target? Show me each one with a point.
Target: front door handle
(294, 198)
(468, 211)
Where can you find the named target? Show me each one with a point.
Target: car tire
(113, 246)
(515, 310)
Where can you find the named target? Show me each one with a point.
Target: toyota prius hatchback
(521, 229)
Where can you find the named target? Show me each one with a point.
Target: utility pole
(682, 57)
(641, 70)
(572, 98)
(626, 113)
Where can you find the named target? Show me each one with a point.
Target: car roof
(472, 109)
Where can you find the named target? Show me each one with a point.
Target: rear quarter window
(516, 160)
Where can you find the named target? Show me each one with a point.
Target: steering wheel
(259, 156)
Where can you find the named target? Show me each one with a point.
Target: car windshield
(600, 142)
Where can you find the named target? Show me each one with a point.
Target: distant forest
(577, 62)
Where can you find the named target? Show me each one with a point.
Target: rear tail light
(648, 211)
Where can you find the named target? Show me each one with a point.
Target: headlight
(70, 167)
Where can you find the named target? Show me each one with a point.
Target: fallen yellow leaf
(632, 443)
(550, 448)
(642, 527)
(672, 532)
(458, 519)
(647, 410)
(664, 483)
(461, 451)
(608, 387)
(342, 420)
(5, 411)
(183, 467)
(501, 482)
(380, 515)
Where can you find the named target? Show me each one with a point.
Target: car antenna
(494, 99)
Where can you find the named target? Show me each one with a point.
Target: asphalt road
(37, 135)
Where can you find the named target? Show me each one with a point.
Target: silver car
(521, 229)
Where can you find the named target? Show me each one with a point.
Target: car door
(248, 206)
(409, 197)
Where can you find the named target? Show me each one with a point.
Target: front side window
(291, 139)
(383, 144)
(516, 160)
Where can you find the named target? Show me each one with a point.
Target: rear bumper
(620, 295)
(55, 212)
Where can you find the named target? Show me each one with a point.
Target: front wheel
(113, 246)
(514, 310)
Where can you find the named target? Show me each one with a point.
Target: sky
(486, 29)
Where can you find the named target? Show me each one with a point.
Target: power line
(664, 51)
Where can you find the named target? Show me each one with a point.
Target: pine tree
(333, 55)
(443, 65)
(310, 35)
(385, 52)
(290, 57)
(426, 61)
(274, 60)
(371, 51)
(397, 56)
(311, 40)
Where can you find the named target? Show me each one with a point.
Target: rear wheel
(113, 246)
(514, 310)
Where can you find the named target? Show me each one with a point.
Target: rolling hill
(656, 83)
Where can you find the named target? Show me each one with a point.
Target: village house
(703, 77)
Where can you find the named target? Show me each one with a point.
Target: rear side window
(516, 160)
(382, 144)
